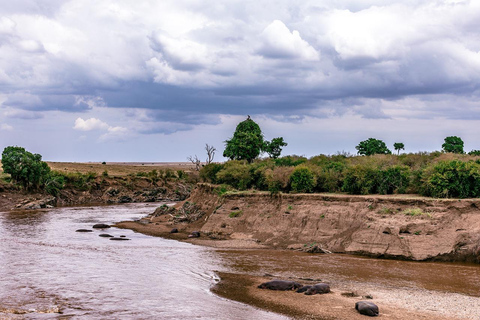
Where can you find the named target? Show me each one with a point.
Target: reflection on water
(46, 266)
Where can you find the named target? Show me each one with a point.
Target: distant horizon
(107, 81)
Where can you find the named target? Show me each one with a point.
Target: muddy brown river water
(46, 267)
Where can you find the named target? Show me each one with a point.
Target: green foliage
(274, 147)
(105, 174)
(453, 178)
(290, 161)
(246, 143)
(414, 212)
(25, 168)
(235, 173)
(223, 189)
(394, 180)
(453, 144)
(372, 146)
(209, 172)
(54, 183)
(361, 179)
(398, 146)
(302, 180)
(235, 214)
(278, 179)
(474, 153)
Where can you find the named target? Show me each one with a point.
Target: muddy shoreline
(394, 302)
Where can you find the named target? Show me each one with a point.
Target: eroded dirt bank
(401, 227)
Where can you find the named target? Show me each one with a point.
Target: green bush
(454, 178)
(209, 172)
(290, 161)
(361, 179)
(24, 167)
(236, 174)
(302, 180)
(394, 180)
(278, 179)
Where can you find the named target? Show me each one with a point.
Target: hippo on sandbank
(319, 288)
(174, 230)
(303, 289)
(367, 308)
(194, 234)
(283, 285)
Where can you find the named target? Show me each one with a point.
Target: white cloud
(90, 124)
(279, 42)
(6, 127)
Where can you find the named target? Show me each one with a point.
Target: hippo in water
(319, 288)
(367, 308)
(83, 230)
(101, 226)
(280, 285)
(105, 235)
(118, 239)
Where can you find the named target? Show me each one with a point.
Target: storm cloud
(163, 67)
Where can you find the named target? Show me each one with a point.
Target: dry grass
(118, 168)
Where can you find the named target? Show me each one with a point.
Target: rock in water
(367, 308)
(101, 226)
(283, 285)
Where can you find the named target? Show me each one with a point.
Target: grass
(416, 212)
(118, 168)
(235, 214)
(386, 211)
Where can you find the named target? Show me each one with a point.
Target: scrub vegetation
(435, 174)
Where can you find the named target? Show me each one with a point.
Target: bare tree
(195, 161)
(210, 153)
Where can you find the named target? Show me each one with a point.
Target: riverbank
(402, 227)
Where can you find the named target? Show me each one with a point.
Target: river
(46, 267)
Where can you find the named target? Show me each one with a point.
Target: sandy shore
(394, 303)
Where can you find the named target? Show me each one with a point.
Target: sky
(148, 80)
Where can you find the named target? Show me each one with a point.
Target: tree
(210, 153)
(25, 168)
(195, 161)
(274, 147)
(453, 144)
(372, 146)
(246, 143)
(399, 146)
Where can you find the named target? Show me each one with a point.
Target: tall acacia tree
(247, 142)
(398, 146)
(453, 144)
(372, 146)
